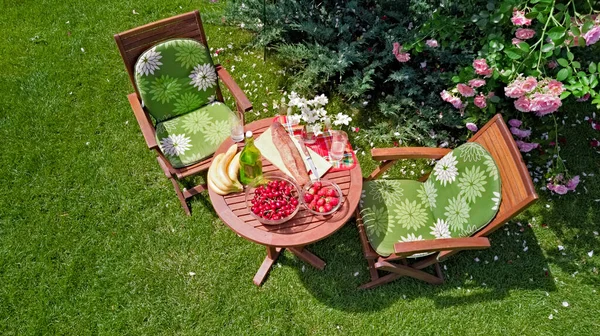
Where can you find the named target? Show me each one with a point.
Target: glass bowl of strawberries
(322, 197)
(274, 200)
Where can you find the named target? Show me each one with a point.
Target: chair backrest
(518, 191)
(132, 43)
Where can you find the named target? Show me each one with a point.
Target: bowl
(324, 184)
(252, 189)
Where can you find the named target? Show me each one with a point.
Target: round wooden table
(305, 228)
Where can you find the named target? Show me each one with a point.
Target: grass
(94, 241)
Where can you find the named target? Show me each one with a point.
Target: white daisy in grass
(204, 76)
(383, 190)
(496, 200)
(149, 62)
(376, 220)
(445, 170)
(457, 213)
(196, 122)
(472, 183)
(216, 132)
(440, 229)
(187, 102)
(428, 193)
(491, 167)
(411, 215)
(410, 237)
(472, 151)
(175, 145)
(164, 89)
(189, 53)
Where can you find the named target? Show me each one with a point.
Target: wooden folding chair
(517, 194)
(132, 44)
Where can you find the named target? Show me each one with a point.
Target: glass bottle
(250, 163)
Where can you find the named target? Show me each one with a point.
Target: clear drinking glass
(237, 128)
(339, 139)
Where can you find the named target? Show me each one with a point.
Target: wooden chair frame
(132, 44)
(518, 193)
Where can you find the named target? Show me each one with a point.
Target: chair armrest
(435, 245)
(396, 153)
(144, 121)
(242, 102)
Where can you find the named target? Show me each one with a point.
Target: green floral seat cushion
(175, 77)
(461, 196)
(189, 138)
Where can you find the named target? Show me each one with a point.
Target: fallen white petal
(550, 316)
(591, 253)
(560, 247)
(565, 304)
(192, 273)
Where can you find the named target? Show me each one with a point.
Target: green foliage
(345, 47)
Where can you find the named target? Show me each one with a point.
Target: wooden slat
(133, 40)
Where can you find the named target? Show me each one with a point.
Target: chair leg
(409, 271)
(380, 281)
(184, 204)
(372, 270)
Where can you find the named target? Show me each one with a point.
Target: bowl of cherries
(322, 197)
(274, 200)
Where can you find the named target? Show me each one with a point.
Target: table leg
(307, 257)
(263, 271)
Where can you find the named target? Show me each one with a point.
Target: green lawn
(93, 239)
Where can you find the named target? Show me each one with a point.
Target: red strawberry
(320, 201)
(308, 198)
(317, 185)
(321, 209)
(331, 193)
(328, 207)
(322, 192)
(312, 191)
(333, 201)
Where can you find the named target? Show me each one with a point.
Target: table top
(305, 228)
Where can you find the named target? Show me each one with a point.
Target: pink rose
(475, 83)
(519, 19)
(457, 103)
(465, 90)
(526, 147)
(515, 122)
(572, 184)
(432, 43)
(552, 64)
(446, 96)
(514, 89)
(525, 33)
(472, 127)
(555, 87)
(523, 104)
(560, 189)
(520, 133)
(480, 101)
(529, 84)
(400, 56)
(481, 67)
(543, 104)
(592, 36)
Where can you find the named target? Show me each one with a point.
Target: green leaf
(495, 99)
(556, 33)
(581, 41)
(547, 47)
(576, 65)
(524, 46)
(575, 30)
(563, 62)
(570, 55)
(490, 6)
(513, 53)
(592, 67)
(585, 81)
(481, 23)
(498, 17)
(587, 26)
(565, 95)
(562, 74)
(474, 18)
(456, 79)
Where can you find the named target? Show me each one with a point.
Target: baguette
(289, 154)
